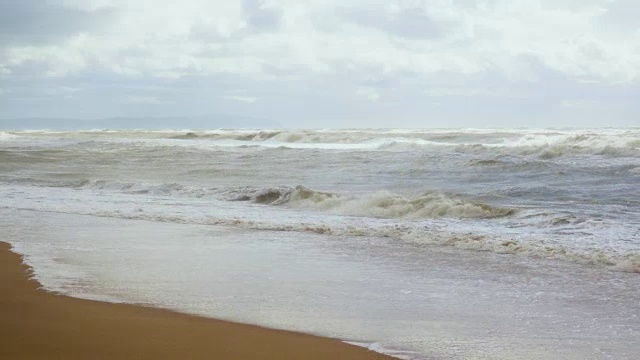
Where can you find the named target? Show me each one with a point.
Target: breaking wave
(381, 204)
(408, 220)
(523, 170)
(7, 136)
(551, 147)
(544, 144)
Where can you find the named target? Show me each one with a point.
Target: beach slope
(42, 325)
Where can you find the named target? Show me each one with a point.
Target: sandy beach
(38, 324)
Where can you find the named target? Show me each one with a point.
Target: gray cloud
(33, 22)
(406, 22)
(622, 14)
(320, 64)
(260, 16)
(257, 17)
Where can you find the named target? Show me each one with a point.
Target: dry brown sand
(35, 324)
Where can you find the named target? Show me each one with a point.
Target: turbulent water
(571, 197)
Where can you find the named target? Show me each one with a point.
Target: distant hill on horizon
(157, 123)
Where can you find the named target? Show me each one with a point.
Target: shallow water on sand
(408, 300)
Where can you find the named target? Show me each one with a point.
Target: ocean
(420, 243)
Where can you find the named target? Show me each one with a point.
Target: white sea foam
(7, 136)
(581, 181)
(546, 145)
(379, 348)
(436, 232)
(137, 188)
(417, 234)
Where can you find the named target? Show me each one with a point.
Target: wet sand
(35, 324)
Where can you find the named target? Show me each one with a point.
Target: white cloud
(503, 59)
(85, 5)
(244, 99)
(579, 103)
(369, 93)
(469, 92)
(198, 37)
(134, 99)
(62, 90)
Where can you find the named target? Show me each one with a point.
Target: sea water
(446, 244)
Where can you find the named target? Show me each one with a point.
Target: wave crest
(381, 204)
(7, 136)
(543, 144)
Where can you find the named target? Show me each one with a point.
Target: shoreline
(41, 324)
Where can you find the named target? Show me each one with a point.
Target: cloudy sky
(326, 63)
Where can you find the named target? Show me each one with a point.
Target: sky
(326, 63)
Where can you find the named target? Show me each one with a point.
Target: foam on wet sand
(38, 324)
